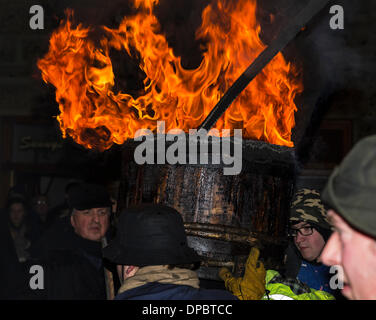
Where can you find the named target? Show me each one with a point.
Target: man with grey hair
(351, 196)
(91, 211)
(72, 250)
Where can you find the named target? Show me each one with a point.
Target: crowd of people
(145, 256)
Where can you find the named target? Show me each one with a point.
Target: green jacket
(279, 288)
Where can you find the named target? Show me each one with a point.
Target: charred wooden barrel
(224, 215)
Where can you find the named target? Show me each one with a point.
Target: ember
(84, 79)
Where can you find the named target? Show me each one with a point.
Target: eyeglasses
(304, 231)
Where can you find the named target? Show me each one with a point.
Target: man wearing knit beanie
(351, 196)
(309, 229)
(304, 277)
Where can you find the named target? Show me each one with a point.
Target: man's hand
(252, 285)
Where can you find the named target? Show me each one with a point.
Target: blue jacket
(162, 291)
(316, 276)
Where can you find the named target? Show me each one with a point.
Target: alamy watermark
(337, 21)
(177, 147)
(336, 281)
(37, 20)
(36, 282)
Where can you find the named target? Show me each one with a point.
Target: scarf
(161, 274)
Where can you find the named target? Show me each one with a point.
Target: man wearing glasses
(310, 230)
(305, 278)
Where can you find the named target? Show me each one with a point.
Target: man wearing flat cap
(351, 196)
(153, 258)
(71, 251)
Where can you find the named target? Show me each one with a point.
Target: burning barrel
(224, 215)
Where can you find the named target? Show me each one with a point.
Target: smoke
(334, 54)
(338, 62)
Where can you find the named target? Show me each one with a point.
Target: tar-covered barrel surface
(224, 215)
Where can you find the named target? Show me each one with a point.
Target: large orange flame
(97, 117)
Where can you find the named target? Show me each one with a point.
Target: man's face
(309, 246)
(355, 252)
(16, 214)
(91, 224)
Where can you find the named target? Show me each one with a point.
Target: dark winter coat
(315, 275)
(73, 267)
(12, 272)
(163, 291)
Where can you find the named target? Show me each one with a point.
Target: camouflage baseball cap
(307, 207)
(351, 188)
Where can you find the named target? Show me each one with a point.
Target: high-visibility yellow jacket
(278, 288)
